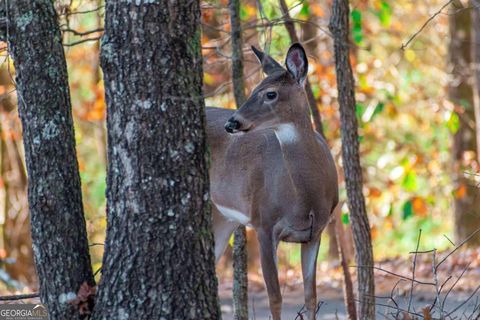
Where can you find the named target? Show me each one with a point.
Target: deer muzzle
(232, 125)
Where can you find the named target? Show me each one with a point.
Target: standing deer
(272, 171)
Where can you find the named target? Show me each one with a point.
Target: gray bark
(460, 92)
(240, 267)
(339, 26)
(58, 226)
(159, 260)
(475, 12)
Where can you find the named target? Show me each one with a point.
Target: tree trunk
(339, 26)
(240, 267)
(58, 226)
(159, 261)
(475, 12)
(341, 234)
(467, 201)
(317, 119)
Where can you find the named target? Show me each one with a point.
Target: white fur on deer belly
(286, 133)
(233, 214)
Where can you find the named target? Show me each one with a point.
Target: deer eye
(271, 95)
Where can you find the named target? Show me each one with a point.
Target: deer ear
(269, 65)
(297, 63)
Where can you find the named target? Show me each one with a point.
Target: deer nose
(232, 125)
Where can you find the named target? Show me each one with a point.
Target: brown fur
(276, 175)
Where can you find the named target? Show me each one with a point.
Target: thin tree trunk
(159, 261)
(460, 92)
(475, 12)
(340, 233)
(317, 119)
(58, 225)
(240, 268)
(339, 26)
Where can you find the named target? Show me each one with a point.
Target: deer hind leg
(268, 248)
(309, 270)
(222, 230)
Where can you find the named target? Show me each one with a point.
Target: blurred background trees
(417, 134)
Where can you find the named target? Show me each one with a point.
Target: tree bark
(317, 119)
(58, 225)
(460, 92)
(475, 16)
(240, 266)
(341, 234)
(159, 261)
(339, 26)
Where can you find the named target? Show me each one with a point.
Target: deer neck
(295, 131)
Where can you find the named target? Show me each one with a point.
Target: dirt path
(332, 306)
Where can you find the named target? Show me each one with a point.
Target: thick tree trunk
(467, 201)
(339, 26)
(240, 267)
(58, 226)
(159, 261)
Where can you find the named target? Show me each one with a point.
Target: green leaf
(305, 11)
(243, 13)
(345, 218)
(378, 109)
(453, 123)
(410, 181)
(359, 110)
(357, 32)
(385, 14)
(356, 16)
(407, 210)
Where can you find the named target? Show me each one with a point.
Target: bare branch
(19, 297)
(82, 34)
(397, 275)
(413, 269)
(458, 247)
(71, 44)
(404, 45)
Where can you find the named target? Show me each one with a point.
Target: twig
(473, 234)
(397, 275)
(437, 291)
(96, 244)
(404, 45)
(463, 303)
(413, 269)
(80, 41)
(19, 297)
(82, 34)
(455, 283)
(440, 292)
(396, 308)
(84, 12)
(449, 240)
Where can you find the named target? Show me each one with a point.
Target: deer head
(279, 98)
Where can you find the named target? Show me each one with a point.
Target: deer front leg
(309, 271)
(268, 251)
(222, 231)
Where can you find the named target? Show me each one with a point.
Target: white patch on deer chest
(233, 214)
(286, 134)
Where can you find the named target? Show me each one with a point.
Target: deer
(272, 171)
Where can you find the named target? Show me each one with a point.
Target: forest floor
(457, 279)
